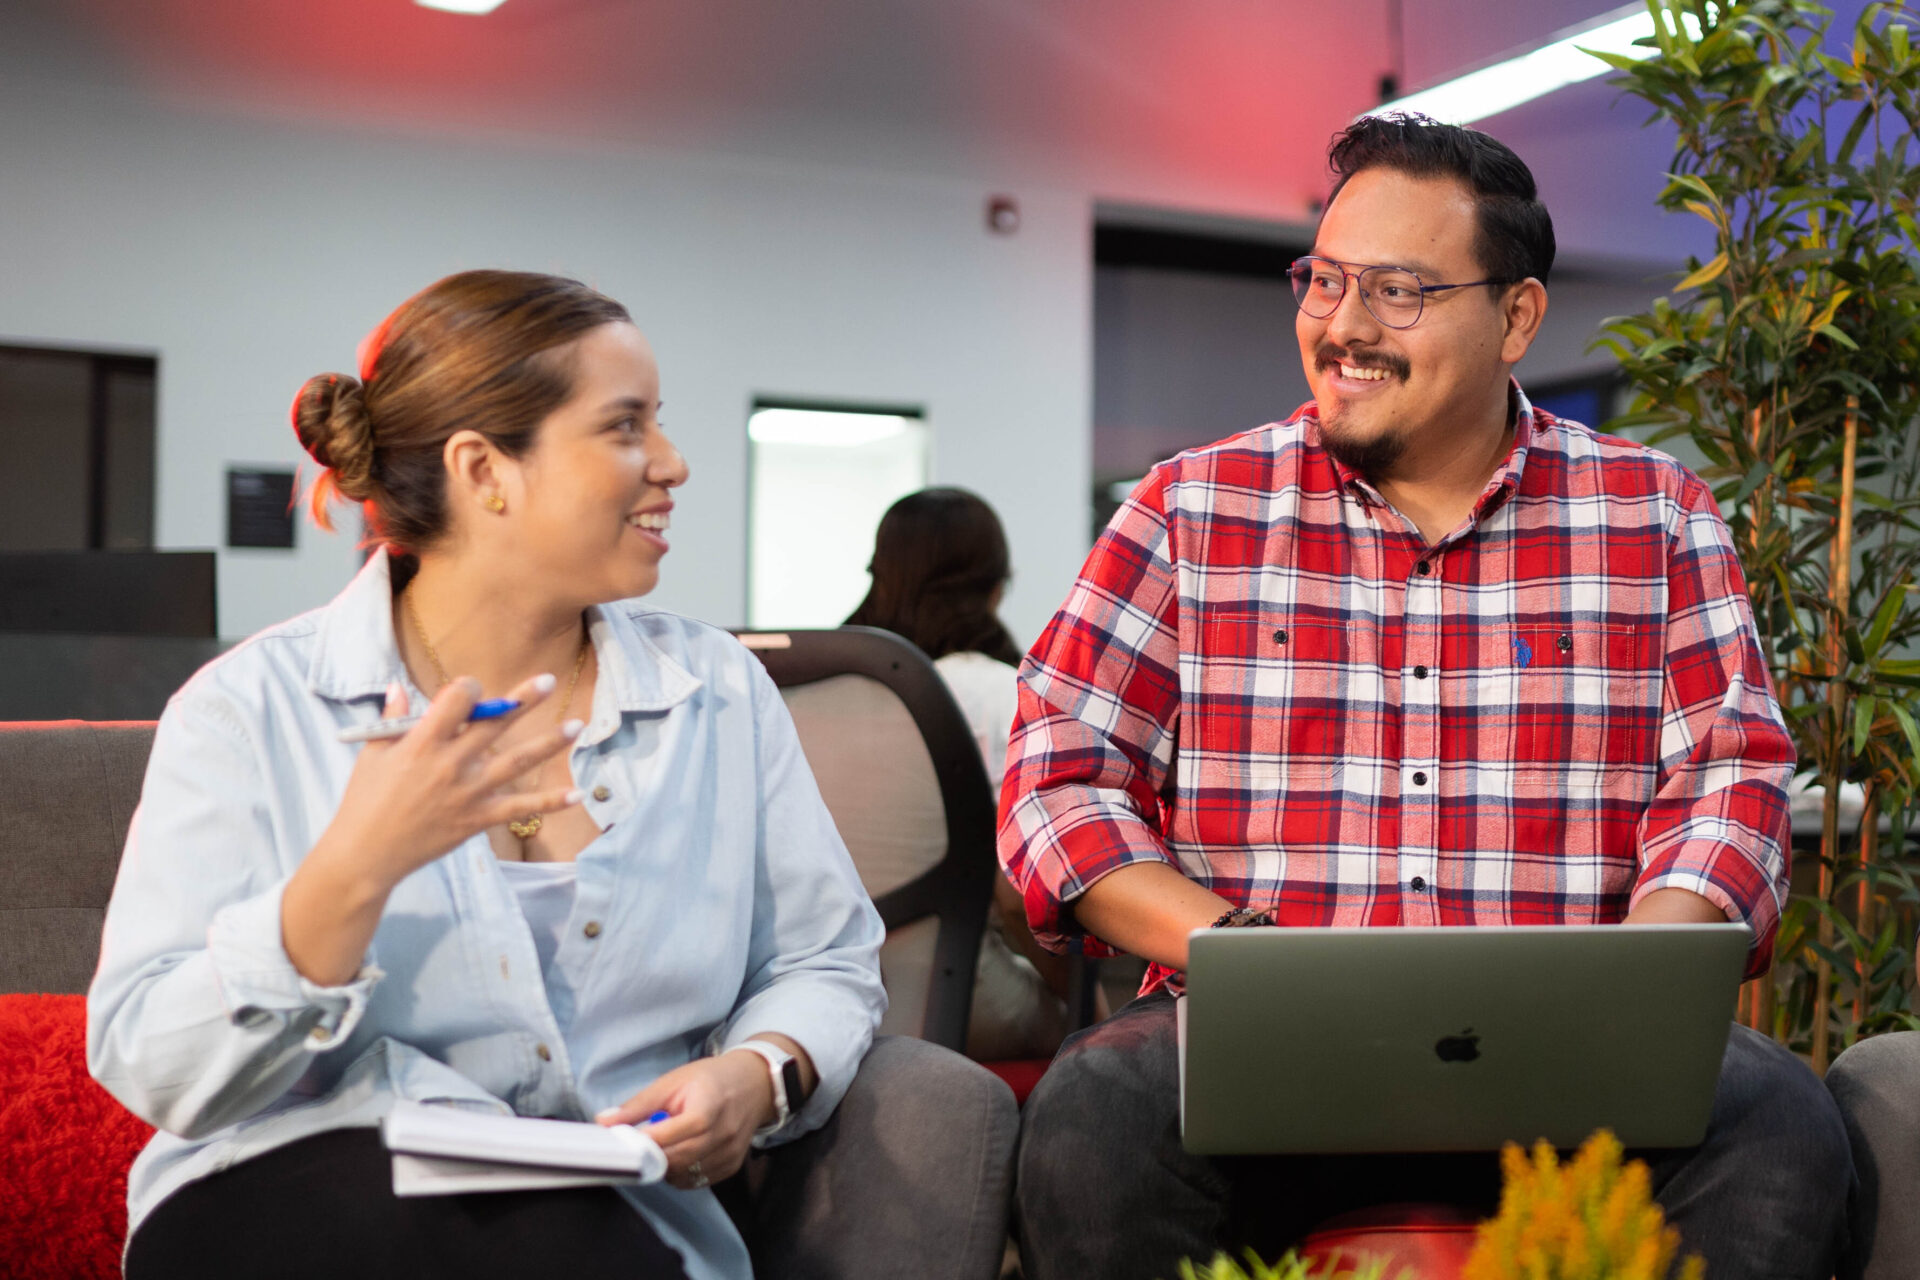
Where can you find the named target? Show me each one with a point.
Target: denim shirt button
(546, 1054)
(602, 793)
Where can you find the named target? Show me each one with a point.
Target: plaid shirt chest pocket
(1568, 713)
(1272, 716)
(1567, 700)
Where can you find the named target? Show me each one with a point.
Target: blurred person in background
(940, 568)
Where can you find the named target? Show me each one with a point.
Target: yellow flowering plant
(1289, 1267)
(1592, 1218)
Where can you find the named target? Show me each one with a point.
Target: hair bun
(330, 417)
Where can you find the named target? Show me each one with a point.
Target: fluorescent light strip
(822, 429)
(461, 6)
(1560, 62)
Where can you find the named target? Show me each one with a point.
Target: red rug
(65, 1147)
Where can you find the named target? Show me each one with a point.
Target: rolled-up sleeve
(813, 970)
(1093, 738)
(196, 1018)
(1719, 824)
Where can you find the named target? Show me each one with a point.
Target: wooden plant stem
(1756, 997)
(1840, 584)
(1823, 969)
(1864, 908)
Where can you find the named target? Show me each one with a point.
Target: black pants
(323, 1207)
(1105, 1187)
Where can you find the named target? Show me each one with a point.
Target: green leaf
(1863, 709)
(1908, 727)
(1757, 473)
(1839, 337)
(1896, 599)
(1618, 61)
(1706, 274)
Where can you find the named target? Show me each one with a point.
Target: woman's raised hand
(413, 798)
(408, 801)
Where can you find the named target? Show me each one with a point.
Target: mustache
(1326, 355)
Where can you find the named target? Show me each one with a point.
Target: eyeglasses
(1392, 295)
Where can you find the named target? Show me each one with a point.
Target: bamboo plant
(1790, 360)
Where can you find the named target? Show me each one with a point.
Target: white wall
(249, 255)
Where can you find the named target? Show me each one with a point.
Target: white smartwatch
(784, 1068)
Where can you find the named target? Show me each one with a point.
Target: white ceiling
(1222, 106)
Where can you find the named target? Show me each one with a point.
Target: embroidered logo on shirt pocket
(1563, 701)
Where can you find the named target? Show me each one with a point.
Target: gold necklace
(528, 827)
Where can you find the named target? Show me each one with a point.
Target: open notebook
(445, 1150)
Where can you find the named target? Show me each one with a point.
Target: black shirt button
(1564, 643)
(1280, 636)
(1419, 779)
(1423, 568)
(1419, 673)
(1417, 884)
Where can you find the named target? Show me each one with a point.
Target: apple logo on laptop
(1464, 1047)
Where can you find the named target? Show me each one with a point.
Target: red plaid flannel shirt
(1265, 677)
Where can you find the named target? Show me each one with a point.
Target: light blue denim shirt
(720, 899)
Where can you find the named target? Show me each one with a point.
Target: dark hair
(476, 351)
(938, 557)
(1513, 238)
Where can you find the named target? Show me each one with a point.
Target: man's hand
(1675, 906)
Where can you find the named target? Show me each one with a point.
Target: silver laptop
(1453, 1039)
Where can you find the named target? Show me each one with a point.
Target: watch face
(790, 1079)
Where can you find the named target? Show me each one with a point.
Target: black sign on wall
(259, 508)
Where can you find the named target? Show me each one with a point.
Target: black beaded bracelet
(1244, 918)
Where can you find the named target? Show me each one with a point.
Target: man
(1419, 655)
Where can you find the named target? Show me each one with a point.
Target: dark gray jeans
(1104, 1188)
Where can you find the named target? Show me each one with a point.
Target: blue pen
(380, 730)
(658, 1116)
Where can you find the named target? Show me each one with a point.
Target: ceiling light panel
(461, 6)
(1562, 61)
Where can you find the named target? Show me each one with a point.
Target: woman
(624, 897)
(940, 568)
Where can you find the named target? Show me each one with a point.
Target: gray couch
(911, 1177)
(1877, 1084)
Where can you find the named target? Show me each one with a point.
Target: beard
(1374, 458)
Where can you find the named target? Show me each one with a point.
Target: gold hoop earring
(495, 503)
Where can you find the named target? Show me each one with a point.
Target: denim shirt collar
(356, 656)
